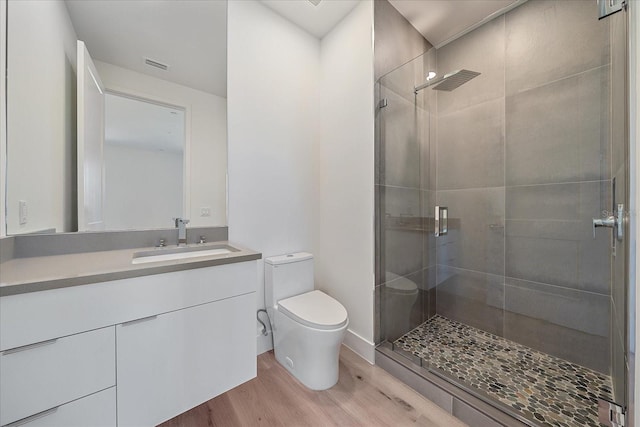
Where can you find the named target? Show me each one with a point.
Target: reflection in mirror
(144, 143)
(159, 148)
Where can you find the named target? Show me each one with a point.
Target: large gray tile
(399, 145)
(473, 298)
(569, 344)
(428, 238)
(482, 50)
(549, 235)
(427, 134)
(559, 132)
(402, 237)
(548, 40)
(430, 292)
(396, 41)
(582, 311)
(471, 147)
(618, 359)
(618, 90)
(475, 240)
(558, 202)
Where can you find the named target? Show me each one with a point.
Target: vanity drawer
(44, 375)
(96, 410)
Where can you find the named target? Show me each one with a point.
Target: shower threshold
(537, 386)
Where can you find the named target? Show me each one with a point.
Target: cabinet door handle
(32, 417)
(144, 319)
(28, 347)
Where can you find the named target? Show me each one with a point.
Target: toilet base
(309, 354)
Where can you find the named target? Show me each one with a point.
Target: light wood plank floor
(365, 395)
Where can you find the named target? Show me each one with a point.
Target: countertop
(22, 275)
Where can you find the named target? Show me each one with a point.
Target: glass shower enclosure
(519, 299)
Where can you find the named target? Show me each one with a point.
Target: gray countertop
(22, 275)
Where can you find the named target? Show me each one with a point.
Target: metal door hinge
(610, 414)
(383, 103)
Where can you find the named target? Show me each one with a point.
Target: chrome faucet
(181, 225)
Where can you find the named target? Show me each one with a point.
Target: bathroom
(313, 137)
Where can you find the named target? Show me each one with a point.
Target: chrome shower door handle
(616, 222)
(441, 221)
(609, 222)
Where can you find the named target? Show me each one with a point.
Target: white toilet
(308, 326)
(400, 295)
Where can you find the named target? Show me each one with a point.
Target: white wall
(273, 75)
(41, 120)
(3, 114)
(155, 198)
(301, 125)
(207, 128)
(344, 240)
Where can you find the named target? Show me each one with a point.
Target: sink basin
(183, 252)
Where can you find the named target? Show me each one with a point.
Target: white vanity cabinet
(161, 343)
(173, 362)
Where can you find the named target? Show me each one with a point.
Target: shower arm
(428, 83)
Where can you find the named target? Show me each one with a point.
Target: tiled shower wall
(523, 161)
(521, 155)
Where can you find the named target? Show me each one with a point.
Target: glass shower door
(519, 303)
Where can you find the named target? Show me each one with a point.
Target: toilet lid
(315, 309)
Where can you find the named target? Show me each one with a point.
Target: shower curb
(456, 401)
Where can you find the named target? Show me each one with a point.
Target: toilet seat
(314, 309)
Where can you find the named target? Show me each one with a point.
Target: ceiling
(317, 20)
(441, 20)
(144, 125)
(188, 35)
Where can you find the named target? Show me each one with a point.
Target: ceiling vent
(156, 64)
(315, 2)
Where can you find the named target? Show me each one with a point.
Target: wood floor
(364, 396)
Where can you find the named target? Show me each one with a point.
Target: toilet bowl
(400, 295)
(308, 325)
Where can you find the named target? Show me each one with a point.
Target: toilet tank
(287, 275)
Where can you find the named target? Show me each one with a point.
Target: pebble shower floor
(541, 387)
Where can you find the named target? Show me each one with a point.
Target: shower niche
(518, 129)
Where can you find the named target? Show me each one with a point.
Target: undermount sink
(182, 252)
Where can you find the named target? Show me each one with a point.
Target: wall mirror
(116, 114)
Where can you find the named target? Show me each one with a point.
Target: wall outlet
(23, 213)
(205, 211)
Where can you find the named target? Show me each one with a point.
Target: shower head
(450, 81)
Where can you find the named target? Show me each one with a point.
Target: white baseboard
(263, 343)
(363, 347)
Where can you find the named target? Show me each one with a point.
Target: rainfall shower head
(450, 81)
